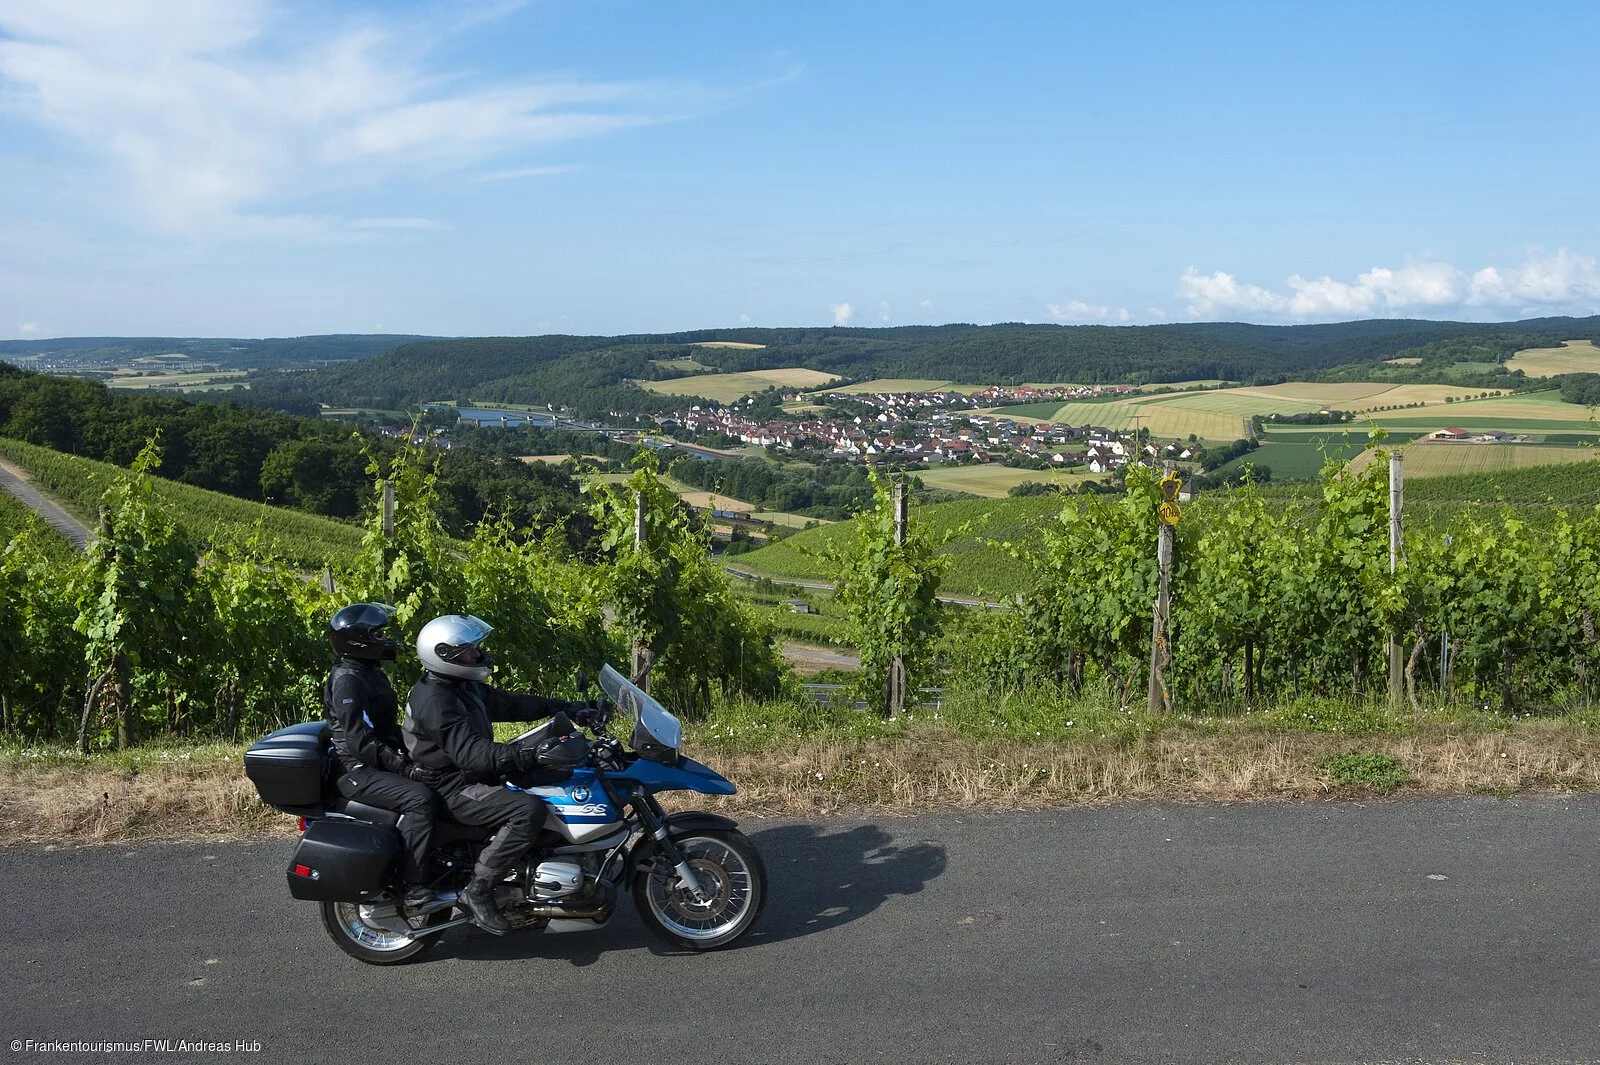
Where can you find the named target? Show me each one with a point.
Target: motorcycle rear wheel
(359, 936)
(732, 877)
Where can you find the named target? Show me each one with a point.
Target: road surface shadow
(821, 879)
(817, 879)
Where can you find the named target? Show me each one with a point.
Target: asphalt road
(15, 480)
(1441, 930)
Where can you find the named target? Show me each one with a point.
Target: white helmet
(449, 645)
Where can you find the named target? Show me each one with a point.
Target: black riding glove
(527, 758)
(423, 775)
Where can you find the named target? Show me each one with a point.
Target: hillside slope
(596, 374)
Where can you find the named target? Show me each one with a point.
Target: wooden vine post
(895, 697)
(1396, 503)
(643, 657)
(1160, 700)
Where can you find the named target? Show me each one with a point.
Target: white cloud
(526, 172)
(27, 330)
(926, 305)
(1079, 311)
(397, 223)
(1542, 284)
(883, 311)
(744, 319)
(842, 312)
(213, 113)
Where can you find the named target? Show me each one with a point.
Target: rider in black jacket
(449, 731)
(363, 722)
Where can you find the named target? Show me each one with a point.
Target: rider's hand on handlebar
(586, 716)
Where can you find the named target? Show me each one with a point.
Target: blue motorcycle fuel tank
(581, 804)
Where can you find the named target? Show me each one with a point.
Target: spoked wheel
(733, 883)
(377, 932)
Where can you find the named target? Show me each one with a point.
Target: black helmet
(357, 632)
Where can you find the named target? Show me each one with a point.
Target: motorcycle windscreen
(656, 733)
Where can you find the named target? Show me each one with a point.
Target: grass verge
(60, 798)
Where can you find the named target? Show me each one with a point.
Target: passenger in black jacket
(363, 717)
(449, 730)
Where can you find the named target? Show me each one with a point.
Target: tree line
(270, 456)
(595, 375)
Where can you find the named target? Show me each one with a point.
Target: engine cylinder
(554, 880)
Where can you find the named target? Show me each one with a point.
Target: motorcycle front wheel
(370, 932)
(733, 882)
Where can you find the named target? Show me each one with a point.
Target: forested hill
(227, 353)
(592, 374)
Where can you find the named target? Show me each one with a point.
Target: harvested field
(194, 382)
(727, 387)
(1573, 356)
(724, 344)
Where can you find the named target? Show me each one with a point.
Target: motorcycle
(695, 879)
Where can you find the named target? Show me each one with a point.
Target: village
(934, 428)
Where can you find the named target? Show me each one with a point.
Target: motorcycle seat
(444, 829)
(360, 811)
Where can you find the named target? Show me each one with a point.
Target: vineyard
(1276, 599)
(206, 517)
(159, 631)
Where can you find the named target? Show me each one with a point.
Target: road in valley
(1459, 929)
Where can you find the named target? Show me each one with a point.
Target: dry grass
(910, 775)
(209, 798)
(196, 798)
(727, 387)
(1573, 356)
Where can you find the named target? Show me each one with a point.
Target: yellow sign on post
(1168, 511)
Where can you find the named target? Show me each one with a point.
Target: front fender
(677, 825)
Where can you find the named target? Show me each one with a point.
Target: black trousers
(519, 815)
(418, 805)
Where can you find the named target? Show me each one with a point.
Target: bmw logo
(580, 794)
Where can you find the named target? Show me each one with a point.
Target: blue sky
(243, 168)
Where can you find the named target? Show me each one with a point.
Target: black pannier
(343, 861)
(287, 767)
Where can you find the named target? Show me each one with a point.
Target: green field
(1528, 412)
(1297, 459)
(727, 387)
(207, 517)
(977, 568)
(992, 480)
(1434, 458)
(1044, 410)
(1573, 485)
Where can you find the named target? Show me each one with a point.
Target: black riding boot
(478, 901)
